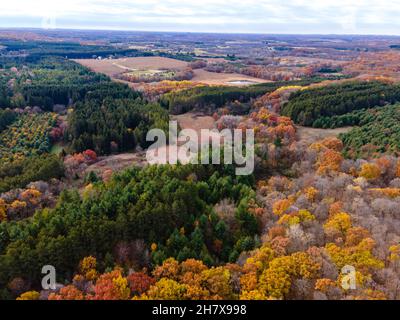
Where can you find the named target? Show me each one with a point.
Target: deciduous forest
(77, 193)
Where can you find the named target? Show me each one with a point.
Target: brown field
(196, 121)
(101, 66)
(112, 68)
(117, 66)
(150, 63)
(215, 60)
(310, 135)
(213, 78)
(117, 162)
(190, 120)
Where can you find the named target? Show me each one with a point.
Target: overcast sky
(247, 16)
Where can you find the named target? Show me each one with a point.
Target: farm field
(143, 63)
(102, 66)
(233, 79)
(113, 67)
(151, 65)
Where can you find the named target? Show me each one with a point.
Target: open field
(311, 135)
(196, 121)
(117, 162)
(115, 67)
(118, 66)
(213, 78)
(101, 66)
(145, 63)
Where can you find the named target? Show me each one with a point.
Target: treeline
(170, 208)
(189, 57)
(214, 97)
(18, 174)
(378, 132)
(70, 50)
(73, 50)
(312, 107)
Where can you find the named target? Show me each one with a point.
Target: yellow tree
(359, 256)
(370, 171)
(253, 295)
(329, 161)
(325, 284)
(191, 274)
(87, 268)
(30, 295)
(398, 169)
(169, 269)
(340, 223)
(165, 289)
(218, 282)
(3, 210)
(311, 193)
(276, 281)
(281, 206)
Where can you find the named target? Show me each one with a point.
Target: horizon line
(195, 32)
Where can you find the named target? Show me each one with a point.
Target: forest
(182, 224)
(76, 192)
(377, 132)
(120, 124)
(45, 82)
(314, 107)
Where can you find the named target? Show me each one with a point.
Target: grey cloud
(290, 16)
